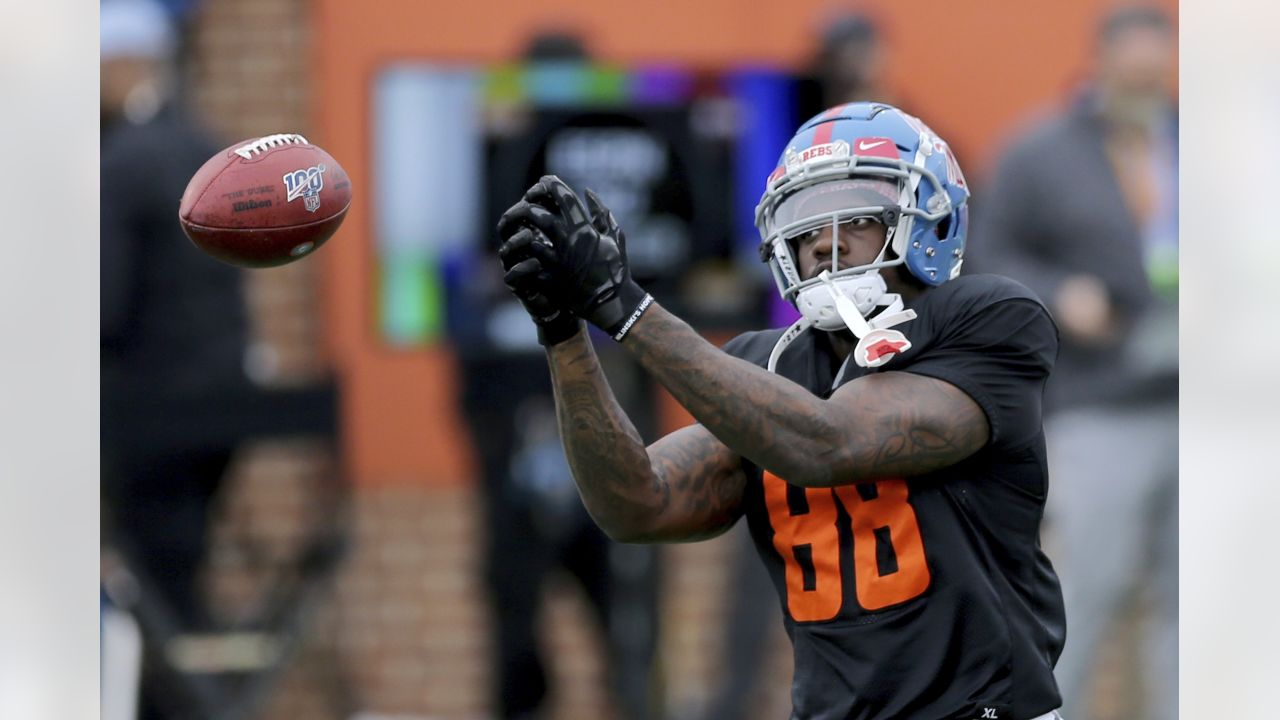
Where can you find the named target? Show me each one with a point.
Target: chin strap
(877, 344)
(788, 337)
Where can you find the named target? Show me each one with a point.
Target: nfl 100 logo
(305, 184)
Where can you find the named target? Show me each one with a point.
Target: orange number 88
(810, 541)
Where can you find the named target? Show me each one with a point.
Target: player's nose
(828, 241)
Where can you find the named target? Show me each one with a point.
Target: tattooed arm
(687, 486)
(890, 424)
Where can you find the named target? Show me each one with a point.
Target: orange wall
(974, 68)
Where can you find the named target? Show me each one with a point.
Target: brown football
(266, 201)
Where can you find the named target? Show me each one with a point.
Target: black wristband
(558, 329)
(631, 296)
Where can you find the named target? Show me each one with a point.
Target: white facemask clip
(877, 344)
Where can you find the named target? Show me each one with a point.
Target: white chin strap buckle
(877, 344)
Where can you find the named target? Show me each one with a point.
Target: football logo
(305, 184)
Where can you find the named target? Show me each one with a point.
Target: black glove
(535, 287)
(590, 255)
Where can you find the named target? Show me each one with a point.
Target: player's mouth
(817, 269)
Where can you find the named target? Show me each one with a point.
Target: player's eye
(859, 223)
(809, 236)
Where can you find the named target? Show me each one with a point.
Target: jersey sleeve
(753, 346)
(1000, 355)
(737, 345)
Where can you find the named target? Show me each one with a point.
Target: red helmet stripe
(823, 134)
(831, 112)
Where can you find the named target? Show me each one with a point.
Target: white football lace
(264, 144)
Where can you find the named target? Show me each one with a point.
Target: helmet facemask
(833, 204)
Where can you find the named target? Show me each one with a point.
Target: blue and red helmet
(867, 159)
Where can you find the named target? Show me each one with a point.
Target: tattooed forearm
(690, 489)
(604, 450)
(886, 425)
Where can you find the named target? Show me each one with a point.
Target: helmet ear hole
(942, 228)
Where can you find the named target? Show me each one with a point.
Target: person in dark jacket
(174, 330)
(1083, 209)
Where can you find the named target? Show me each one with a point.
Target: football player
(886, 449)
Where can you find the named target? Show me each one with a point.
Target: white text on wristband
(626, 326)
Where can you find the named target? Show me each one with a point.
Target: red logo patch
(881, 348)
(875, 147)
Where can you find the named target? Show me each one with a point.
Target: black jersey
(926, 597)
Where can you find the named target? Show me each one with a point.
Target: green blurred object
(1162, 272)
(606, 84)
(410, 299)
(503, 84)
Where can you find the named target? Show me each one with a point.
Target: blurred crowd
(1081, 206)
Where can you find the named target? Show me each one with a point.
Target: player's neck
(899, 281)
(842, 343)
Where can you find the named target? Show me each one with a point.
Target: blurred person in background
(1083, 209)
(177, 399)
(886, 449)
(176, 396)
(173, 321)
(536, 524)
(849, 65)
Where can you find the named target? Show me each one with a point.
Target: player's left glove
(590, 254)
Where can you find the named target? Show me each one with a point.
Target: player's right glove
(530, 281)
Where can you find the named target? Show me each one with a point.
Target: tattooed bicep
(703, 481)
(904, 424)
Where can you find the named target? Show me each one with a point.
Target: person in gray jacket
(1083, 209)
